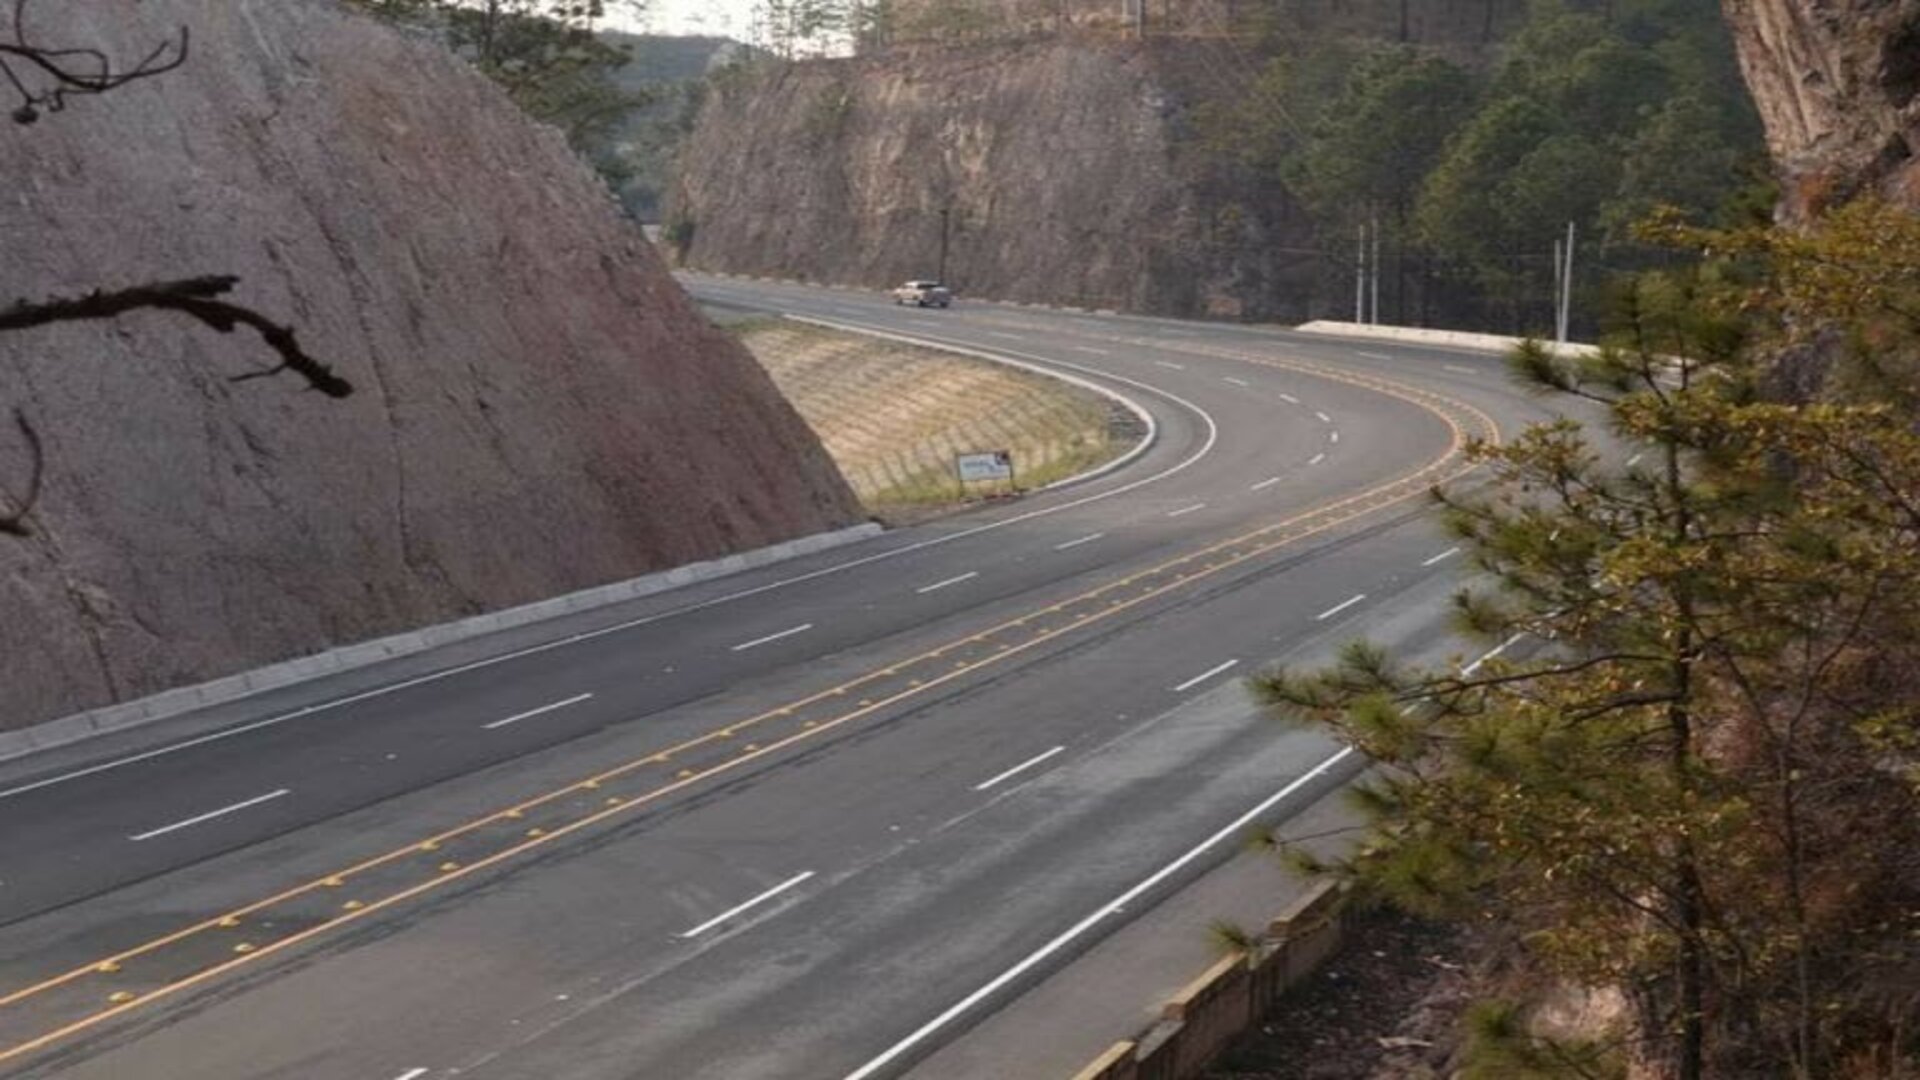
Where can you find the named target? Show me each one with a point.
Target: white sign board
(992, 465)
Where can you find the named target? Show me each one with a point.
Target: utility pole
(1563, 281)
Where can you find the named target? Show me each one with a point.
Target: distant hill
(668, 71)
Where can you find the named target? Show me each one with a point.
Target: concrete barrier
(168, 703)
(1229, 998)
(1419, 335)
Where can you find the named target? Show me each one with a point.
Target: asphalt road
(809, 821)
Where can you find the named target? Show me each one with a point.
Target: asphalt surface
(810, 821)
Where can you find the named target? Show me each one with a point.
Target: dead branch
(72, 71)
(193, 297)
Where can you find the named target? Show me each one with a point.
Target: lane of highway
(982, 578)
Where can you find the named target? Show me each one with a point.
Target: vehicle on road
(923, 294)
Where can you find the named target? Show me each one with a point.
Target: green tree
(1592, 118)
(1692, 789)
(547, 54)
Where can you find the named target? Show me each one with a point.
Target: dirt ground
(1385, 1008)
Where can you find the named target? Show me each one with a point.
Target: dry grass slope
(893, 416)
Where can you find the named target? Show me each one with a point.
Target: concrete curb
(1416, 335)
(168, 703)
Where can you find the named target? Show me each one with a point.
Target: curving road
(809, 821)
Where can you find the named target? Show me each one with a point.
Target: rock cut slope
(539, 407)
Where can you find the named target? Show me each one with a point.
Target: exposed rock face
(1425, 21)
(1835, 82)
(1053, 133)
(848, 170)
(539, 408)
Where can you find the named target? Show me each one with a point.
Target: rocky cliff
(1047, 130)
(1835, 83)
(1004, 155)
(539, 408)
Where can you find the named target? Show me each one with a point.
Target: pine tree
(1681, 780)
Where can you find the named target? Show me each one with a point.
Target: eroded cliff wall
(1835, 83)
(539, 409)
(1056, 169)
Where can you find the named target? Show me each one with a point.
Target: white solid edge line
(1091, 349)
(1039, 364)
(1114, 906)
(1020, 768)
(1267, 483)
(1076, 543)
(1338, 608)
(1111, 908)
(789, 632)
(210, 815)
(738, 908)
(1442, 557)
(1317, 459)
(1491, 653)
(517, 717)
(1373, 355)
(1009, 337)
(1458, 368)
(969, 575)
(1186, 509)
(1204, 676)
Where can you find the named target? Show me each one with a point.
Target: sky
(728, 17)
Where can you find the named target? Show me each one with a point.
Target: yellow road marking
(1337, 513)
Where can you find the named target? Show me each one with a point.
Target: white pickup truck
(923, 294)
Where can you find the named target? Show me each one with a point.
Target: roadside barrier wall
(1229, 998)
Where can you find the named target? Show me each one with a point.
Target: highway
(806, 821)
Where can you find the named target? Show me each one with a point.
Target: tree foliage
(1591, 113)
(547, 55)
(1691, 776)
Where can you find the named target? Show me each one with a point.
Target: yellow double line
(886, 686)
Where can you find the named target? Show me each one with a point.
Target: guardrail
(1230, 997)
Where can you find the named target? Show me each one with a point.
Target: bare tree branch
(189, 296)
(69, 71)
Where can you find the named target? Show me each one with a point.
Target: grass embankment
(894, 416)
